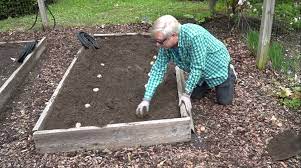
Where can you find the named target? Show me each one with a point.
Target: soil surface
(229, 136)
(124, 64)
(9, 54)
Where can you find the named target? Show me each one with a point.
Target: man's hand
(234, 72)
(140, 112)
(185, 98)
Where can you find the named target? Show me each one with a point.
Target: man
(193, 49)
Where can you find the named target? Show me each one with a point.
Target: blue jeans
(224, 91)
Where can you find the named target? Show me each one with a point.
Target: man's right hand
(185, 98)
(140, 112)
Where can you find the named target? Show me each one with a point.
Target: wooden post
(43, 13)
(265, 33)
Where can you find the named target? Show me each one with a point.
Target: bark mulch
(231, 136)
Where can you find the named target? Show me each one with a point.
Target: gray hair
(166, 24)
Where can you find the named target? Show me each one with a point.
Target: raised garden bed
(94, 105)
(12, 72)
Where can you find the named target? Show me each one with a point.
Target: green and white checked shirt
(199, 53)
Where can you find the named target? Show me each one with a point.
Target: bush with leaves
(286, 11)
(15, 8)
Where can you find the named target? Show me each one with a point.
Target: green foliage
(286, 11)
(198, 18)
(289, 13)
(289, 65)
(292, 64)
(98, 12)
(252, 41)
(290, 97)
(15, 8)
(276, 55)
(293, 103)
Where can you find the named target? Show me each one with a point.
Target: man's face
(166, 42)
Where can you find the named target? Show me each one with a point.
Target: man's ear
(175, 34)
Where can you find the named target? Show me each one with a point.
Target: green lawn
(97, 12)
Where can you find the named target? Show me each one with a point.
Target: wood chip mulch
(227, 136)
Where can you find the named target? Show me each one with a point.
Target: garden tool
(285, 145)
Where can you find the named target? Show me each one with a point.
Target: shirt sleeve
(156, 74)
(198, 53)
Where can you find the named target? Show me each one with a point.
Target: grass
(289, 65)
(252, 41)
(276, 55)
(97, 12)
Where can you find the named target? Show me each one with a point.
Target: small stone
(77, 125)
(14, 59)
(87, 105)
(145, 85)
(22, 112)
(202, 128)
(273, 118)
(99, 76)
(102, 64)
(279, 124)
(148, 74)
(155, 57)
(107, 151)
(95, 89)
(152, 62)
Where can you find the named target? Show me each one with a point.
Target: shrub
(15, 8)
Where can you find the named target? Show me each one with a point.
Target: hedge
(15, 8)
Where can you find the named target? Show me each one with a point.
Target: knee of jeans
(224, 101)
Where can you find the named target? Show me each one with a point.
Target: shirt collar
(180, 38)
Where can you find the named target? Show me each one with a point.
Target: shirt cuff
(147, 99)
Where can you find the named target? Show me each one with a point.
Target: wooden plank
(43, 13)
(20, 73)
(265, 33)
(40, 123)
(180, 85)
(121, 34)
(114, 136)
(26, 41)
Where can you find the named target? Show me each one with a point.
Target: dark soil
(230, 136)
(126, 63)
(8, 52)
